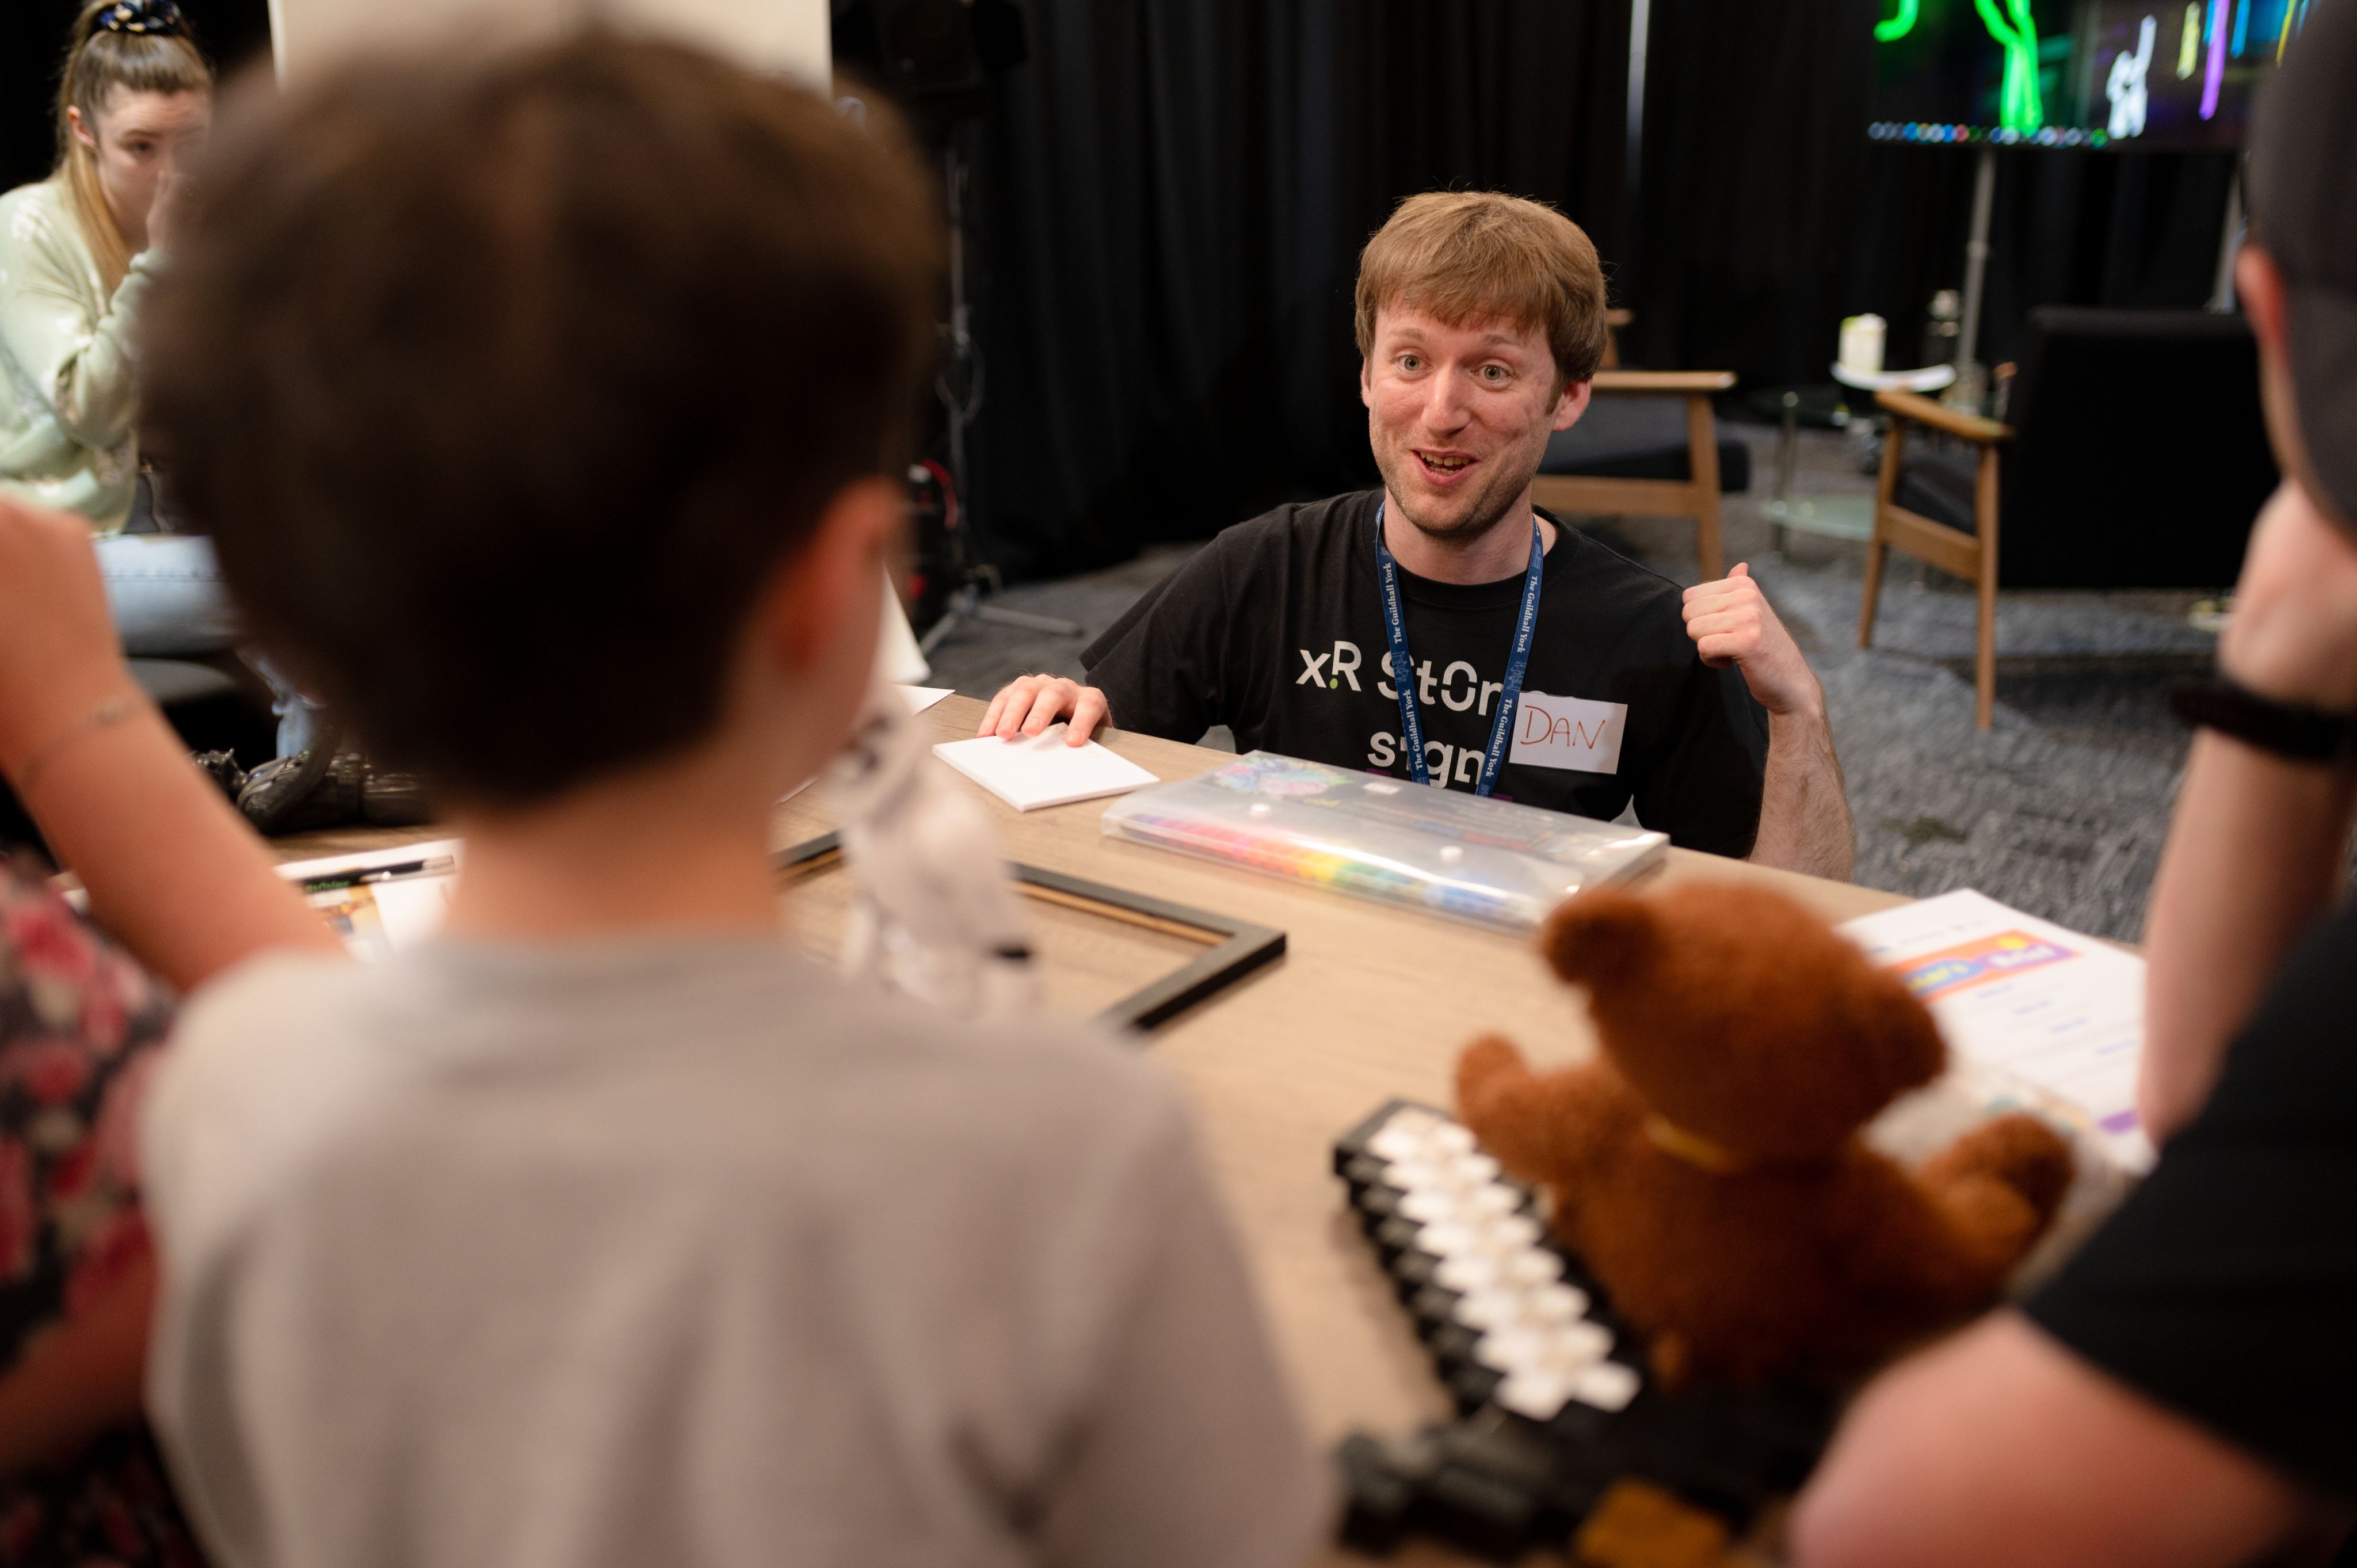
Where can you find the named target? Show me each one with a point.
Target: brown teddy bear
(1708, 1166)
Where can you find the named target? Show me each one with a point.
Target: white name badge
(1568, 732)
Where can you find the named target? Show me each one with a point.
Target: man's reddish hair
(1477, 255)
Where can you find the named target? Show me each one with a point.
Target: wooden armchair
(1970, 555)
(2135, 455)
(1688, 485)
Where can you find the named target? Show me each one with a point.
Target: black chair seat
(2139, 457)
(1938, 483)
(2142, 456)
(1630, 438)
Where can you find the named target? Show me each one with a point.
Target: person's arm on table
(1804, 821)
(170, 868)
(1161, 660)
(2258, 844)
(2000, 1446)
(1028, 705)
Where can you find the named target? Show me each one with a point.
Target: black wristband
(2287, 729)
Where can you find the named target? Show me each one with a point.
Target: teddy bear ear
(1605, 931)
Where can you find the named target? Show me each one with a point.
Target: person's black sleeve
(1160, 665)
(1703, 785)
(2225, 1287)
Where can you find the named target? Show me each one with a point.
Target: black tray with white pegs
(1554, 1401)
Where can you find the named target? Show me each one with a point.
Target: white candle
(1861, 344)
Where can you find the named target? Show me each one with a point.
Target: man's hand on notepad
(1028, 705)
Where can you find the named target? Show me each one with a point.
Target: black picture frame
(1232, 949)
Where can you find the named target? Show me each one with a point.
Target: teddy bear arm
(2016, 1154)
(1915, 1255)
(1541, 1127)
(1985, 1200)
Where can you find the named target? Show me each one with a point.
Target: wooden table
(1368, 1002)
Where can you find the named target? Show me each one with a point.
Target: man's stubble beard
(1487, 511)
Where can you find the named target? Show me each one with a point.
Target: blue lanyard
(1404, 668)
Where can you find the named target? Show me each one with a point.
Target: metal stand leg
(959, 386)
(1788, 451)
(2230, 241)
(966, 605)
(1972, 377)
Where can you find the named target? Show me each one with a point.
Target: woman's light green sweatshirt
(69, 393)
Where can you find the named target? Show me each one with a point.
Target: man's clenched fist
(1731, 623)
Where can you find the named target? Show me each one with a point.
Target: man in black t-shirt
(1440, 628)
(2185, 1390)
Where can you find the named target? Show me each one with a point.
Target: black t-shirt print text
(1276, 630)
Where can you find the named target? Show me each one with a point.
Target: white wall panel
(778, 35)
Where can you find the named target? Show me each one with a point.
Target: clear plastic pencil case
(1441, 851)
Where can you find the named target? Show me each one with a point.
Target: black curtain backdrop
(1170, 196)
(1174, 193)
(1754, 143)
(32, 47)
(2136, 231)
(1768, 216)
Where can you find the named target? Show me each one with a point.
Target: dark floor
(2060, 808)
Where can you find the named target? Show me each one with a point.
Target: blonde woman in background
(78, 252)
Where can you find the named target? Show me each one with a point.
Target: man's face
(1459, 416)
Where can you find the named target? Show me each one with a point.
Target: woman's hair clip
(148, 19)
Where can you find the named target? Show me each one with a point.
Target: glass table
(1836, 517)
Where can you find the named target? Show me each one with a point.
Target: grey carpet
(2059, 810)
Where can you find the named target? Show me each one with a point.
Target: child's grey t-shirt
(679, 1253)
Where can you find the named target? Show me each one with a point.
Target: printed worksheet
(2060, 1011)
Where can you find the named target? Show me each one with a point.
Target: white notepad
(1043, 770)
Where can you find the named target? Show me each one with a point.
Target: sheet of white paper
(897, 653)
(923, 697)
(1043, 770)
(413, 907)
(2060, 1011)
(383, 900)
